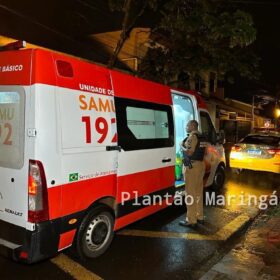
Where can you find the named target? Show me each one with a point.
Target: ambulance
(76, 136)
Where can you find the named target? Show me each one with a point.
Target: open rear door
(184, 106)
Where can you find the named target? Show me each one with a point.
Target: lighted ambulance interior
(183, 112)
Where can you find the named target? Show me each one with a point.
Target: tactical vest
(199, 151)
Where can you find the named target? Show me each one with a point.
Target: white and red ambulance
(74, 137)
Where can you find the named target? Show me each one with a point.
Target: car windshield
(261, 139)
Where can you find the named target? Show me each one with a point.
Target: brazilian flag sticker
(73, 177)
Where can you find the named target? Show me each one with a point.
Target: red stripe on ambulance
(80, 195)
(130, 218)
(139, 184)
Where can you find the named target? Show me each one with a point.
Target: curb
(238, 224)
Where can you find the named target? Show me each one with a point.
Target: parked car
(260, 152)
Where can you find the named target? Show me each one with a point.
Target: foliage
(119, 5)
(205, 35)
(132, 11)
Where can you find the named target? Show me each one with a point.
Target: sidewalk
(257, 257)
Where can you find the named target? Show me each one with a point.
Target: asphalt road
(157, 247)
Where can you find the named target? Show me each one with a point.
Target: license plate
(254, 152)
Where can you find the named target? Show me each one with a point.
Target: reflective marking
(223, 234)
(227, 231)
(74, 269)
(72, 221)
(162, 234)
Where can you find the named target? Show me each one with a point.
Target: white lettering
(94, 89)
(168, 198)
(125, 196)
(263, 205)
(230, 198)
(210, 199)
(11, 68)
(189, 200)
(252, 200)
(273, 200)
(178, 200)
(146, 200)
(242, 199)
(221, 200)
(136, 203)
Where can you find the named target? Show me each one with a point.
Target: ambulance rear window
(11, 127)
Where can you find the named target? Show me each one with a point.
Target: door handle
(166, 160)
(113, 148)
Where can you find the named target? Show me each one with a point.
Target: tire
(219, 178)
(95, 233)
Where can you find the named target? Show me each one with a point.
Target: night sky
(267, 46)
(65, 25)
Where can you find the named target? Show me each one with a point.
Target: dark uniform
(194, 177)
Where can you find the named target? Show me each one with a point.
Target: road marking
(77, 271)
(221, 235)
(165, 234)
(229, 229)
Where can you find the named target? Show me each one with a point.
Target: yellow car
(259, 152)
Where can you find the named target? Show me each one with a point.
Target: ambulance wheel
(219, 178)
(95, 233)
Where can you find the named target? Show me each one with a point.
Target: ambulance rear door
(185, 109)
(14, 154)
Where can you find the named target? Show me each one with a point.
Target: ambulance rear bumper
(27, 246)
(7, 248)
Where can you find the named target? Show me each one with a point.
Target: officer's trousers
(194, 191)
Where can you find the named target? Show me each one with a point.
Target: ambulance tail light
(38, 210)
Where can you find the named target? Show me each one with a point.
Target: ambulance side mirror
(221, 139)
(210, 137)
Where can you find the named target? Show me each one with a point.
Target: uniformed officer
(194, 166)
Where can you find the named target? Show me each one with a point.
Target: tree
(204, 35)
(132, 11)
